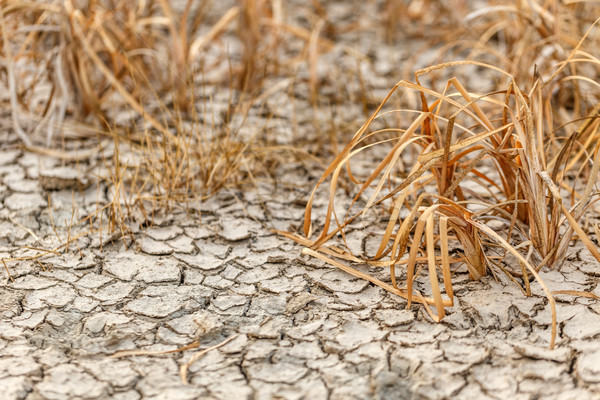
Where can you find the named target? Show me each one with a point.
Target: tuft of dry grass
(157, 94)
(153, 85)
(499, 156)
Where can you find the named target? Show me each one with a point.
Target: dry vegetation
(525, 156)
(495, 155)
(159, 88)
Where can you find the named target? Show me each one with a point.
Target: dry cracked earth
(298, 329)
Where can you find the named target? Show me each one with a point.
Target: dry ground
(301, 328)
(204, 271)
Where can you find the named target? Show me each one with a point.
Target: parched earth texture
(298, 328)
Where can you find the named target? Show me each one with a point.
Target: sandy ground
(300, 329)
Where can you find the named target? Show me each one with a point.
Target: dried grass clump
(98, 56)
(164, 84)
(476, 158)
(148, 81)
(527, 37)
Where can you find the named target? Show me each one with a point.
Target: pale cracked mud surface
(305, 330)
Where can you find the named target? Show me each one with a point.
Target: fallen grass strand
(183, 370)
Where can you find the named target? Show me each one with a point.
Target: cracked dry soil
(304, 330)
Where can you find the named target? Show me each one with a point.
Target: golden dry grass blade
(329, 250)
(446, 257)
(414, 249)
(581, 233)
(198, 44)
(577, 293)
(391, 223)
(432, 264)
(313, 55)
(130, 353)
(183, 370)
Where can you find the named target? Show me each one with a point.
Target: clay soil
(212, 270)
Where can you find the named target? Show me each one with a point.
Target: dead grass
(156, 86)
(501, 156)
